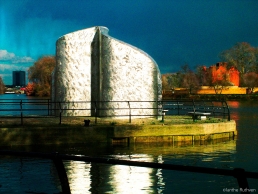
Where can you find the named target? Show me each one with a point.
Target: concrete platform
(127, 133)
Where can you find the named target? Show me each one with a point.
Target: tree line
(242, 56)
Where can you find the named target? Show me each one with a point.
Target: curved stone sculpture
(94, 67)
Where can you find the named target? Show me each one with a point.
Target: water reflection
(103, 178)
(28, 175)
(160, 179)
(79, 176)
(17, 174)
(233, 104)
(100, 178)
(127, 179)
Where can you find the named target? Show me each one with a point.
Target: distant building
(19, 78)
(220, 72)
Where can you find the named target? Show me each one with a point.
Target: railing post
(95, 111)
(162, 105)
(157, 108)
(130, 119)
(194, 116)
(193, 106)
(21, 113)
(61, 173)
(213, 109)
(177, 107)
(228, 110)
(60, 113)
(224, 112)
(204, 105)
(48, 107)
(241, 179)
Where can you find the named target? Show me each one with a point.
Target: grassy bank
(53, 122)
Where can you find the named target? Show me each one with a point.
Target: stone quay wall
(190, 133)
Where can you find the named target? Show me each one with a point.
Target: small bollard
(163, 114)
(86, 123)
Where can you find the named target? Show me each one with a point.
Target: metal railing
(217, 108)
(45, 107)
(240, 174)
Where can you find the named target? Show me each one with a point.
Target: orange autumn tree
(29, 90)
(40, 76)
(2, 86)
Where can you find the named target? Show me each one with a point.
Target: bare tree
(251, 80)
(203, 75)
(219, 85)
(242, 56)
(189, 79)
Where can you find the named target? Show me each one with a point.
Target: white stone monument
(94, 68)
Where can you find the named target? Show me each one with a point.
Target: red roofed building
(234, 76)
(219, 72)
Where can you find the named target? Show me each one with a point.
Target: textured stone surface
(137, 133)
(94, 67)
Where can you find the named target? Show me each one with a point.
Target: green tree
(255, 68)
(170, 80)
(40, 75)
(242, 56)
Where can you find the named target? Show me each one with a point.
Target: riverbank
(174, 129)
(227, 97)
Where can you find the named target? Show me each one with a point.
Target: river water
(27, 175)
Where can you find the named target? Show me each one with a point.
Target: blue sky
(173, 32)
